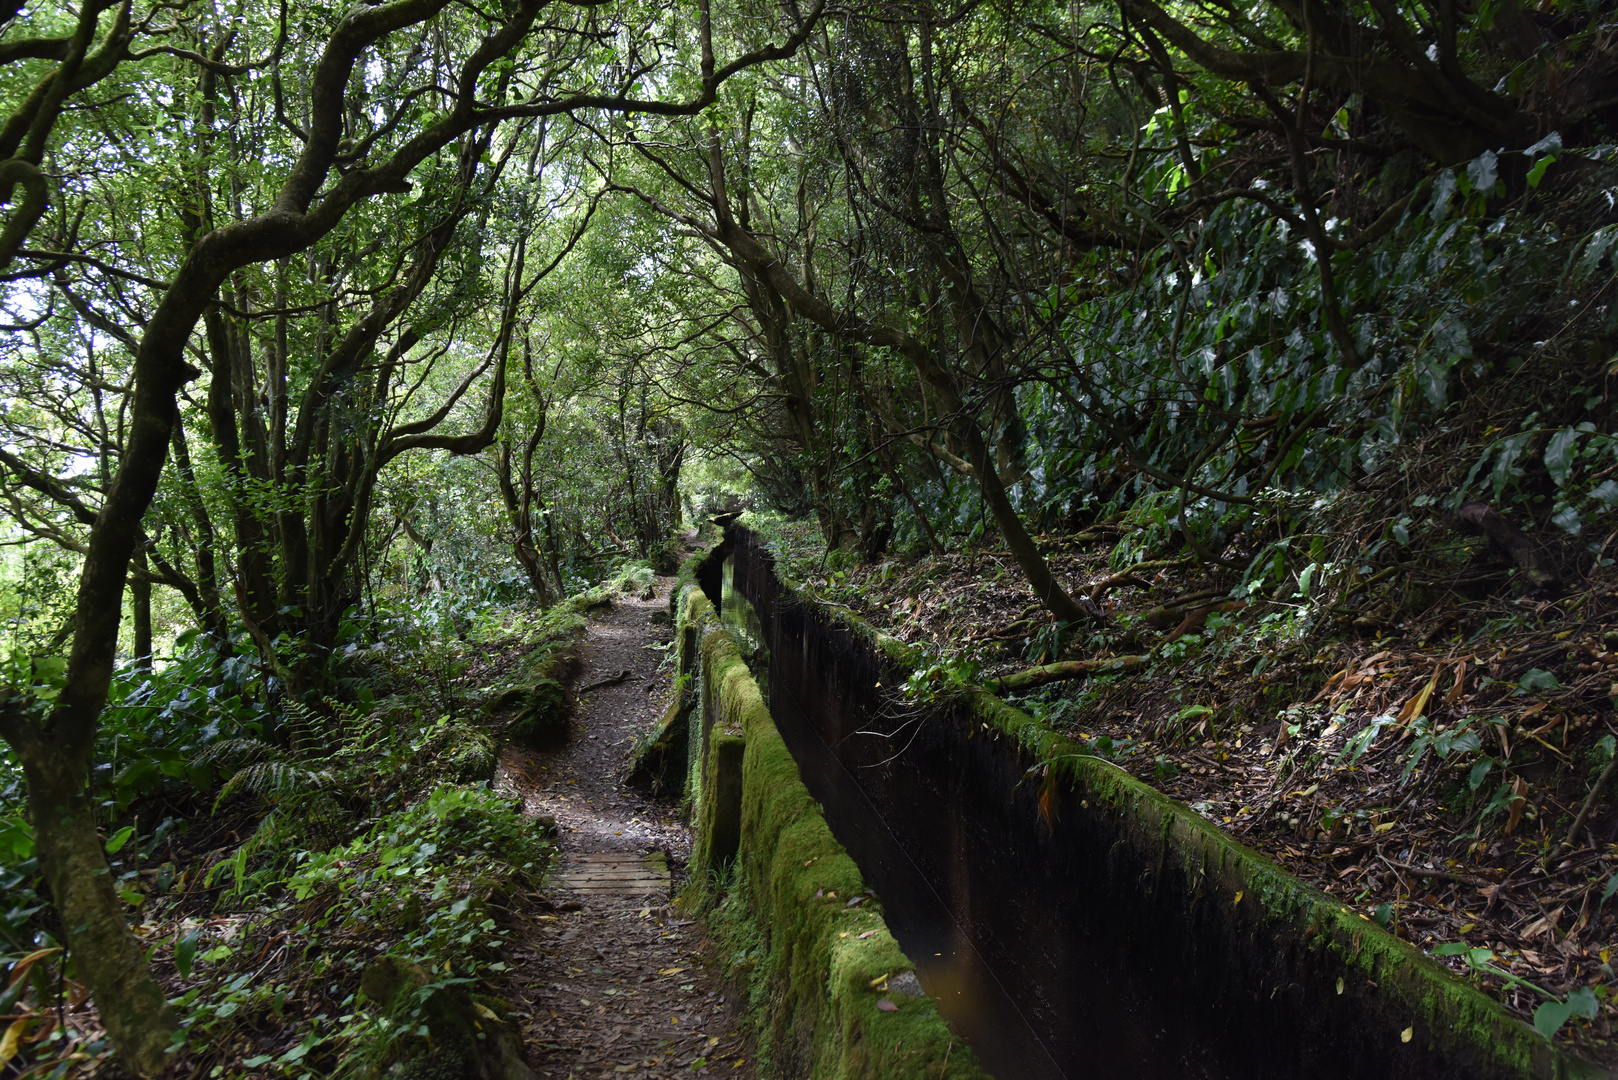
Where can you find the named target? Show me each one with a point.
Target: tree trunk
(109, 958)
(140, 604)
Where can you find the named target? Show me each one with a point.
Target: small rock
(907, 983)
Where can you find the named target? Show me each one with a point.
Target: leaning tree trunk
(108, 957)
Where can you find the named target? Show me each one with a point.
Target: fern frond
(276, 780)
(274, 830)
(235, 753)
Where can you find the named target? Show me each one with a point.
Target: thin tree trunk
(140, 604)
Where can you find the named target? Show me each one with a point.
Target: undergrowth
(272, 850)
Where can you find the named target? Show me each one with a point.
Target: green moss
(790, 937)
(542, 716)
(472, 756)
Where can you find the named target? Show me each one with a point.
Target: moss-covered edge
(1446, 1013)
(819, 987)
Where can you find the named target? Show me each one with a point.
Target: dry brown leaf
(1459, 689)
(1517, 805)
(1417, 704)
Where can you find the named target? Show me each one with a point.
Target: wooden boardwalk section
(614, 873)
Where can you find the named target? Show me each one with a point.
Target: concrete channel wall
(1134, 937)
(831, 991)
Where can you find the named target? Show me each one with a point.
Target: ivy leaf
(1538, 679)
(1606, 493)
(1483, 172)
(1559, 455)
(1537, 173)
(1550, 1016)
(1505, 460)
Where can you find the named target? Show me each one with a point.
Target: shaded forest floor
(1419, 749)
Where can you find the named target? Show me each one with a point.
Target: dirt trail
(615, 981)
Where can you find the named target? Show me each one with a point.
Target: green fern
(276, 780)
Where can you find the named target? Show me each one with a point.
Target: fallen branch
(609, 681)
(1485, 519)
(1194, 619)
(1018, 629)
(1166, 615)
(1130, 575)
(1589, 803)
(1439, 875)
(1127, 577)
(1065, 669)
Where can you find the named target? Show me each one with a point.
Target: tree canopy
(312, 310)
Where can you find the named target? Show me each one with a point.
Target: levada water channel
(1048, 939)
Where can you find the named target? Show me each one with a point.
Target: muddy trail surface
(614, 980)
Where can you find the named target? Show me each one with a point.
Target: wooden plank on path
(614, 873)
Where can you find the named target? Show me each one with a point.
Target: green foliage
(1553, 1012)
(942, 680)
(428, 874)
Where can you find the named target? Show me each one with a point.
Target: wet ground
(613, 980)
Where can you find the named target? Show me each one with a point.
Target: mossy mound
(472, 756)
(542, 717)
(468, 1035)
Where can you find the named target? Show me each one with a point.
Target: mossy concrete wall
(1128, 928)
(830, 987)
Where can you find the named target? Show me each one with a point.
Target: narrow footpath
(615, 981)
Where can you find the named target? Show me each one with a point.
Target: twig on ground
(609, 681)
(1572, 838)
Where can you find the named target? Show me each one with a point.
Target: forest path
(617, 984)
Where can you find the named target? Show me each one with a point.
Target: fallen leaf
(1407, 1034)
(1459, 688)
(887, 1006)
(1517, 805)
(1417, 704)
(8, 1042)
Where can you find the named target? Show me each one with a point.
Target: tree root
(611, 680)
(1065, 669)
(1166, 615)
(1130, 575)
(1197, 616)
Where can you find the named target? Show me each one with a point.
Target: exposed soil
(615, 982)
